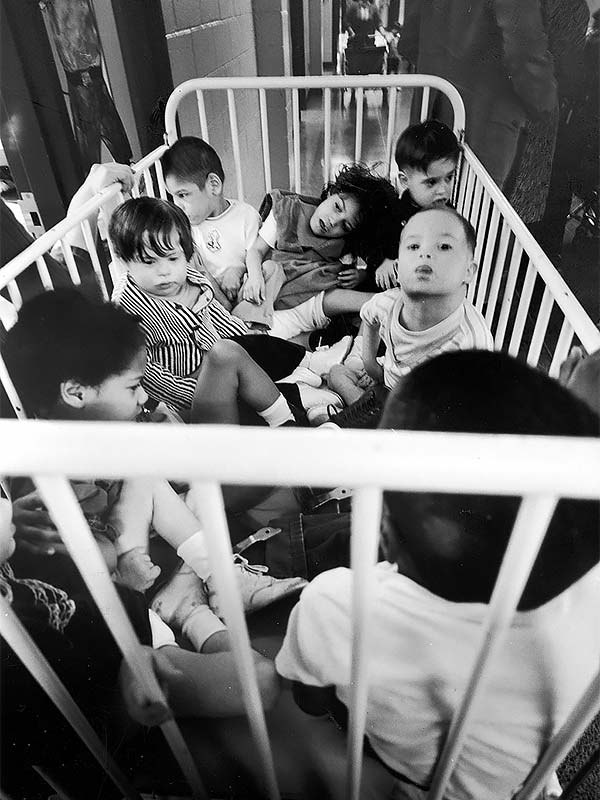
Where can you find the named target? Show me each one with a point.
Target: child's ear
(73, 394)
(470, 272)
(402, 179)
(214, 184)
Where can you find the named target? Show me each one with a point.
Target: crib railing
(532, 314)
(540, 469)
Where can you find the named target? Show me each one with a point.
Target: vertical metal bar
(425, 104)
(464, 179)
(15, 294)
(202, 114)
(235, 141)
(208, 498)
(498, 273)
(487, 260)
(507, 298)
(61, 794)
(160, 179)
(296, 138)
(264, 127)
(91, 247)
(70, 263)
(148, 183)
(389, 141)
(44, 274)
(528, 533)
(578, 720)
(10, 390)
(523, 308)
(366, 523)
(562, 347)
(327, 135)
(475, 212)
(541, 326)
(360, 92)
(468, 198)
(66, 514)
(35, 662)
(481, 237)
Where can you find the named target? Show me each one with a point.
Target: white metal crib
(532, 314)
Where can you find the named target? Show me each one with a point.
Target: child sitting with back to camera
(430, 598)
(225, 232)
(72, 635)
(97, 375)
(428, 314)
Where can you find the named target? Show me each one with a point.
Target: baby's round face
(161, 274)
(7, 531)
(336, 216)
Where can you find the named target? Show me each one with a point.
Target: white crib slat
(70, 262)
(366, 521)
(528, 533)
(15, 294)
(425, 104)
(541, 326)
(326, 135)
(91, 248)
(470, 191)
(476, 205)
(17, 637)
(391, 128)
(563, 345)
(235, 141)
(296, 137)
(44, 274)
(480, 230)
(358, 130)
(522, 310)
(487, 260)
(507, 297)
(66, 514)
(498, 272)
(59, 790)
(207, 501)
(264, 127)
(148, 183)
(160, 180)
(578, 720)
(202, 115)
(465, 178)
(10, 390)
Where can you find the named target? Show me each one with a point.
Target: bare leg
(344, 381)
(343, 301)
(228, 373)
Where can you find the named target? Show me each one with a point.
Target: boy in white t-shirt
(429, 599)
(426, 315)
(223, 229)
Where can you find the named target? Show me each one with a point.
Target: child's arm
(253, 289)
(370, 347)
(231, 282)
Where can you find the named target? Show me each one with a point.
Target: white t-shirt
(423, 650)
(464, 329)
(224, 240)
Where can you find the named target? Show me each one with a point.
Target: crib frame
(513, 273)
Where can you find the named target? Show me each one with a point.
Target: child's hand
(231, 280)
(349, 278)
(385, 274)
(139, 706)
(102, 175)
(34, 530)
(136, 570)
(253, 289)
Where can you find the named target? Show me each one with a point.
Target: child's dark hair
(144, 226)
(492, 393)
(422, 144)
(192, 159)
(375, 196)
(61, 335)
(468, 229)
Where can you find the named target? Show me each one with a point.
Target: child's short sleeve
(268, 230)
(379, 307)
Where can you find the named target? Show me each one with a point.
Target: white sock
(201, 624)
(194, 553)
(277, 413)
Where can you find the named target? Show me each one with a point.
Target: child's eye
(445, 246)
(412, 246)
(430, 183)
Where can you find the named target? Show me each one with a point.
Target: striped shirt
(176, 336)
(464, 329)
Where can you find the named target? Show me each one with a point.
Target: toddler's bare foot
(136, 570)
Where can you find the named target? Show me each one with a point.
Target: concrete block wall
(216, 38)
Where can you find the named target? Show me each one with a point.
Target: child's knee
(225, 354)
